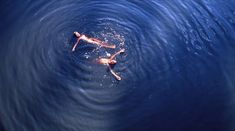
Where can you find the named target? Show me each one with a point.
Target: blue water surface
(178, 70)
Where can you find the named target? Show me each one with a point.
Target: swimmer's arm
(75, 45)
(116, 76)
(117, 53)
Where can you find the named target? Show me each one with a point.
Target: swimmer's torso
(83, 37)
(104, 61)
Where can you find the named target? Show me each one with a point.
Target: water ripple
(165, 41)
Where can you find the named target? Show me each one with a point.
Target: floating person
(91, 41)
(110, 62)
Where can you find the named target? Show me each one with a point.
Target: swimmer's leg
(102, 44)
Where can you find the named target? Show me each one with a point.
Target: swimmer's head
(112, 62)
(77, 34)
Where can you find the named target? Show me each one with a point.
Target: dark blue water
(178, 71)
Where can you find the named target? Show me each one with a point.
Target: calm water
(178, 70)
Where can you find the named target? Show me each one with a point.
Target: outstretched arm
(117, 53)
(116, 76)
(75, 45)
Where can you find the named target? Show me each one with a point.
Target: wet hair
(113, 62)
